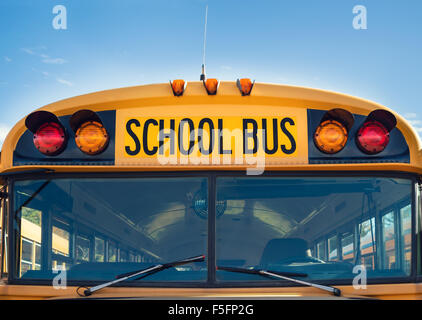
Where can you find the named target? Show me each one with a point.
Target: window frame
(211, 177)
(5, 238)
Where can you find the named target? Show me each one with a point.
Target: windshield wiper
(284, 276)
(145, 272)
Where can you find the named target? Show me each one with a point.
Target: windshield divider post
(212, 200)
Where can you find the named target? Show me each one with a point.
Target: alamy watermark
(60, 281)
(60, 20)
(198, 152)
(360, 20)
(359, 281)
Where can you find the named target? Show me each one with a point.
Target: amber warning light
(178, 86)
(245, 86)
(211, 85)
(330, 136)
(91, 138)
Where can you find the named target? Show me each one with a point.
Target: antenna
(202, 78)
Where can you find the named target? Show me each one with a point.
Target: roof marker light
(211, 85)
(245, 86)
(178, 86)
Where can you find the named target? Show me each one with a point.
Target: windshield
(319, 226)
(322, 227)
(99, 228)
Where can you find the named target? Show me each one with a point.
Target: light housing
(49, 135)
(374, 134)
(92, 138)
(50, 139)
(211, 85)
(178, 86)
(245, 86)
(330, 136)
(372, 137)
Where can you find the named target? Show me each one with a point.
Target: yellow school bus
(211, 189)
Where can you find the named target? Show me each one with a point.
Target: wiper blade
(145, 272)
(259, 272)
(284, 276)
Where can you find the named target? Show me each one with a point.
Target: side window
(332, 248)
(321, 250)
(406, 235)
(367, 242)
(99, 249)
(61, 245)
(123, 256)
(82, 248)
(30, 240)
(31, 255)
(389, 234)
(112, 252)
(347, 247)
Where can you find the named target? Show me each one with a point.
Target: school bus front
(279, 192)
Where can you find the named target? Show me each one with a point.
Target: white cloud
(28, 51)
(4, 130)
(65, 82)
(44, 57)
(49, 60)
(7, 59)
(410, 115)
(415, 123)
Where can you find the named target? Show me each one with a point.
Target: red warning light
(372, 137)
(50, 139)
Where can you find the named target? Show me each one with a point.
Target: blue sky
(110, 44)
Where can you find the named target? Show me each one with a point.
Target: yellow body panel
(159, 99)
(381, 291)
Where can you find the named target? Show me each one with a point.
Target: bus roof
(262, 94)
